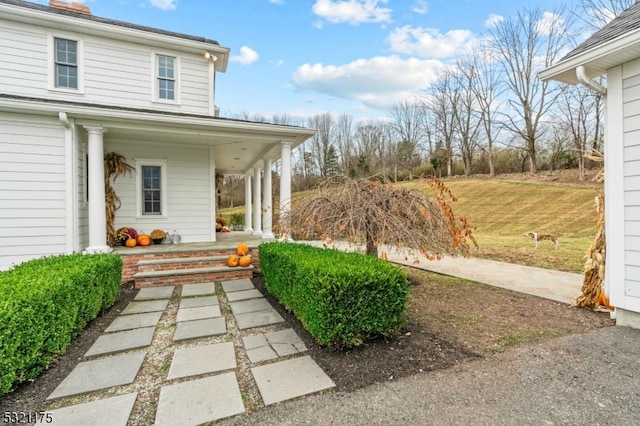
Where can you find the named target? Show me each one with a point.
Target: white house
(75, 86)
(614, 51)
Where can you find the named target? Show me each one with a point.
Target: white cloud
(550, 23)
(164, 4)
(352, 11)
(429, 42)
(420, 7)
(247, 56)
(379, 82)
(493, 20)
(276, 1)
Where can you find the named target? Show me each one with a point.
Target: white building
(74, 86)
(614, 51)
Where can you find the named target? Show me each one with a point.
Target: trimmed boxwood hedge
(341, 298)
(44, 303)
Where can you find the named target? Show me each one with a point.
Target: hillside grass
(500, 212)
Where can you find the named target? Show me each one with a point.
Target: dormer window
(166, 78)
(66, 63)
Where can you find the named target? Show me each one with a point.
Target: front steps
(159, 266)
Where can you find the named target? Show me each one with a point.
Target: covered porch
(190, 153)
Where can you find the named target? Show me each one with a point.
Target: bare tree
(408, 120)
(525, 44)
(441, 100)
(377, 213)
(577, 114)
(595, 14)
(486, 89)
(321, 142)
(467, 114)
(344, 140)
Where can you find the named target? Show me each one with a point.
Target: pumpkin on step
(233, 260)
(244, 261)
(144, 240)
(131, 242)
(242, 249)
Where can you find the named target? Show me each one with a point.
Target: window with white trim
(151, 188)
(166, 77)
(66, 63)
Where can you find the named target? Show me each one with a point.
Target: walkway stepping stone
(112, 411)
(121, 341)
(244, 295)
(199, 328)
(199, 401)
(258, 319)
(151, 293)
(129, 322)
(196, 302)
(199, 289)
(289, 379)
(253, 305)
(100, 373)
(190, 314)
(286, 342)
(258, 348)
(263, 347)
(237, 285)
(145, 306)
(196, 360)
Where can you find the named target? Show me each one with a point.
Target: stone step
(191, 275)
(150, 265)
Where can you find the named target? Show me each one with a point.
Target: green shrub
(44, 303)
(341, 298)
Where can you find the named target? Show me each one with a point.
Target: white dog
(535, 236)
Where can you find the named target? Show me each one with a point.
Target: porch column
(285, 189)
(97, 204)
(248, 224)
(267, 215)
(257, 203)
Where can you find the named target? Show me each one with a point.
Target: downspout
(588, 82)
(585, 80)
(70, 182)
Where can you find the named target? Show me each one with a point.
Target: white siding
(188, 190)
(631, 172)
(32, 188)
(114, 72)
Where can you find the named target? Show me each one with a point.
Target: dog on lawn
(537, 236)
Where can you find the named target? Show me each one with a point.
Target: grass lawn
(500, 212)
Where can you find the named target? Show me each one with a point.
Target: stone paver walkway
(201, 382)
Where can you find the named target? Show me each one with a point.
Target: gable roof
(67, 19)
(614, 44)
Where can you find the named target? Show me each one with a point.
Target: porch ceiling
(234, 152)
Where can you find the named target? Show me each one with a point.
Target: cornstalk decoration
(375, 212)
(114, 165)
(593, 296)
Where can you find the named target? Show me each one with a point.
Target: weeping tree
(375, 212)
(114, 165)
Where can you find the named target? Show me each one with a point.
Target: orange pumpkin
(244, 261)
(144, 240)
(233, 260)
(242, 249)
(131, 242)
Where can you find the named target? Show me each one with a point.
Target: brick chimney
(71, 7)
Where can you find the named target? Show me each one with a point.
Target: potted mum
(157, 236)
(125, 233)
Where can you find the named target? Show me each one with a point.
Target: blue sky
(307, 57)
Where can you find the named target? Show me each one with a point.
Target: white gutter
(584, 79)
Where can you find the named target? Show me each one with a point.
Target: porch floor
(224, 240)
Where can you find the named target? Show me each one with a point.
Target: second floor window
(166, 78)
(66, 63)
